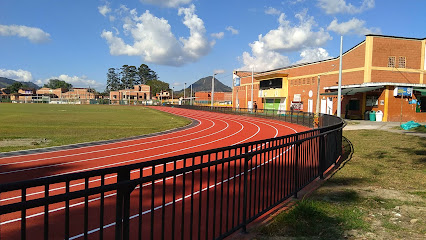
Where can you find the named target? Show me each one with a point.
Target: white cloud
(232, 30)
(272, 11)
(353, 26)
(219, 71)
(18, 75)
(167, 3)
(266, 51)
(218, 35)
(76, 81)
(105, 9)
(313, 55)
(35, 35)
(340, 6)
(154, 41)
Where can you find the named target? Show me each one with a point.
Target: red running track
(213, 130)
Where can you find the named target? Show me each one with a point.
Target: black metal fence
(202, 195)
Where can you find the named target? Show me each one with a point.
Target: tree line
(127, 76)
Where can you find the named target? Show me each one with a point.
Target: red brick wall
(394, 76)
(408, 110)
(385, 47)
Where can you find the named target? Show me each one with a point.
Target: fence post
(245, 194)
(296, 168)
(322, 155)
(122, 207)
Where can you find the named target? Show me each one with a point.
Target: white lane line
(108, 156)
(105, 149)
(96, 180)
(84, 147)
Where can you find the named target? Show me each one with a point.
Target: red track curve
(213, 130)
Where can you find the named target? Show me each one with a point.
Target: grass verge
(378, 194)
(27, 126)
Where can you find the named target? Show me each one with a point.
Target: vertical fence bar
(67, 212)
(163, 212)
(86, 209)
(24, 215)
(46, 213)
(246, 160)
(296, 166)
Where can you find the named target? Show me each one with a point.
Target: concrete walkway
(385, 126)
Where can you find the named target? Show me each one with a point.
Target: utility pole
(212, 95)
(339, 89)
(191, 95)
(173, 89)
(252, 82)
(184, 90)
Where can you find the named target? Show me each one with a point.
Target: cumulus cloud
(18, 75)
(167, 3)
(266, 51)
(313, 55)
(340, 6)
(218, 35)
(353, 26)
(76, 81)
(154, 41)
(232, 30)
(105, 9)
(272, 11)
(35, 35)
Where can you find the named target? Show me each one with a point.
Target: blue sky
(184, 40)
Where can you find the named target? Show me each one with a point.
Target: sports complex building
(375, 73)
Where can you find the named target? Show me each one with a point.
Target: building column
(363, 101)
(386, 108)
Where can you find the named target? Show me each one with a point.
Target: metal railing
(202, 195)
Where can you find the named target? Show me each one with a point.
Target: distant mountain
(205, 84)
(5, 82)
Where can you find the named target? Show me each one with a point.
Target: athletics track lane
(214, 130)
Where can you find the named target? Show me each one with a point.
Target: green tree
(113, 80)
(56, 83)
(145, 74)
(157, 86)
(129, 76)
(14, 88)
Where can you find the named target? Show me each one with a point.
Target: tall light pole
(339, 89)
(252, 83)
(173, 89)
(191, 94)
(212, 95)
(184, 95)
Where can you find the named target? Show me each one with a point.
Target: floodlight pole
(339, 89)
(191, 94)
(173, 89)
(184, 95)
(252, 72)
(212, 95)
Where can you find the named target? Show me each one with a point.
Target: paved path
(385, 126)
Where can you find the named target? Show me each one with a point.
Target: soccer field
(27, 126)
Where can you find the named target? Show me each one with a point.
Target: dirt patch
(23, 142)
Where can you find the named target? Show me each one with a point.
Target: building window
(304, 81)
(391, 62)
(300, 81)
(401, 62)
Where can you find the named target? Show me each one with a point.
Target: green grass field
(378, 194)
(27, 126)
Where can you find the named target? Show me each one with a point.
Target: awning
(421, 90)
(353, 91)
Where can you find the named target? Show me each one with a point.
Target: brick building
(204, 97)
(374, 75)
(138, 93)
